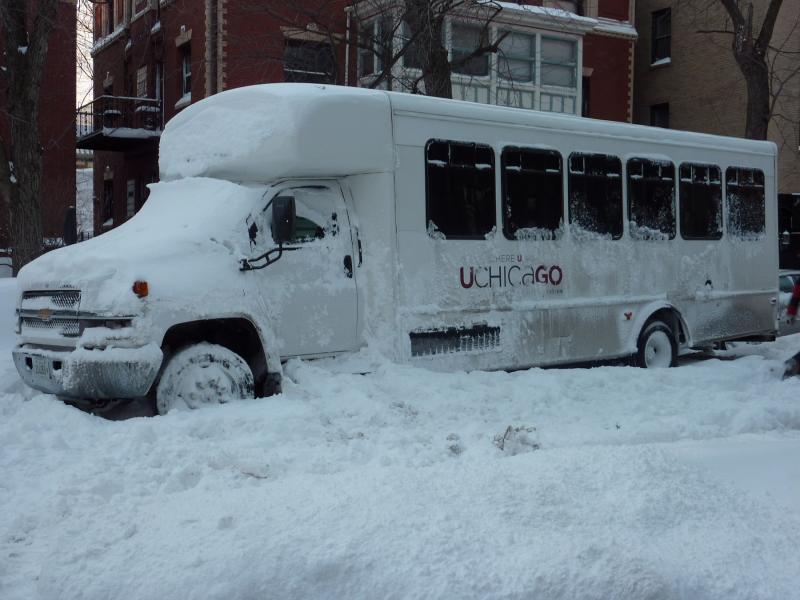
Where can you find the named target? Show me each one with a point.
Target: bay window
(530, 69)
(537, 71)
(516, 58)
(559, 62)
(466, 40)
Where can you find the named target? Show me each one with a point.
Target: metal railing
(115, 112)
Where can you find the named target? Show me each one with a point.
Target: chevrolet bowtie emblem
(45, 314)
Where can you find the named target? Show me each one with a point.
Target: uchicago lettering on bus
(500, 276)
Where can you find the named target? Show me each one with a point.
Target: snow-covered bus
(307, 221)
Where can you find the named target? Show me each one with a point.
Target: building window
(412, 51)
(533, 203)
(130, 199)
(575, 6)
(559, 62)
(308, 62)
(516, 58)
(119, 13)
(744, 196)
(659, 115)
(700, 202)
(552, 70)
(107, 17)
(375, 47)
(465, 41)
(595, 194)
(660, 52)
(186, 71)
(141, 82)
(366, 50)
(159, 81)
(459, 187)
(651, 199)
(108, 202)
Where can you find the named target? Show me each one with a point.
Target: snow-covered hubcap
(658, 350)
(207, 384)
(203, 374)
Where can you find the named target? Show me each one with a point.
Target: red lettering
(469, 284)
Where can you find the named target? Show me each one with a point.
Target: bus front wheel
(202, 374)
(656, 347)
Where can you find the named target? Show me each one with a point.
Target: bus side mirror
(283, 213)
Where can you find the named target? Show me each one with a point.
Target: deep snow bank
(392, 485)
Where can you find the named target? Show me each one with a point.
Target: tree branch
(767, 27)
(732, 6)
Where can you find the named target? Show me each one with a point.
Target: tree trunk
(426, 20)
(756, 75)
(750, 51)
(25, 212)
(26, 33)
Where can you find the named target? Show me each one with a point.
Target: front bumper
(112, 373)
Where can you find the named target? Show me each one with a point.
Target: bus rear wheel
(656, 347)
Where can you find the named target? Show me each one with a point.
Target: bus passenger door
(309, 293)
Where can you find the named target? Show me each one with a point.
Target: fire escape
(119, 124)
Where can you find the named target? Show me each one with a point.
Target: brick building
(689, 80)
(152, 58)
(56, 128)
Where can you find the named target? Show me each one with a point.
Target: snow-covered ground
(611, 482)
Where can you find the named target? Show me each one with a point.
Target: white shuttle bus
(306, 221)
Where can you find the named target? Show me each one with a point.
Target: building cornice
(512, 14)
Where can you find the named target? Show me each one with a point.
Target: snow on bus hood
(187, 230)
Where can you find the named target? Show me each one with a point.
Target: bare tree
(419, 25)
(754, 54)
(26, 28)
(84, 38)
(410, 32)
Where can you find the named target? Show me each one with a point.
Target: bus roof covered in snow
(273, 131)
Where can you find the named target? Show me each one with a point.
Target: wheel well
(237, 334)
(672, 319)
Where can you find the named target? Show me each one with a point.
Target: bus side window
(459, 190)
(533, 204)
(744, 197)
(651, 199)
(595, 193)
(700, 202)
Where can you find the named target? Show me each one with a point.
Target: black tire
(656, 346)
(203, 374)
